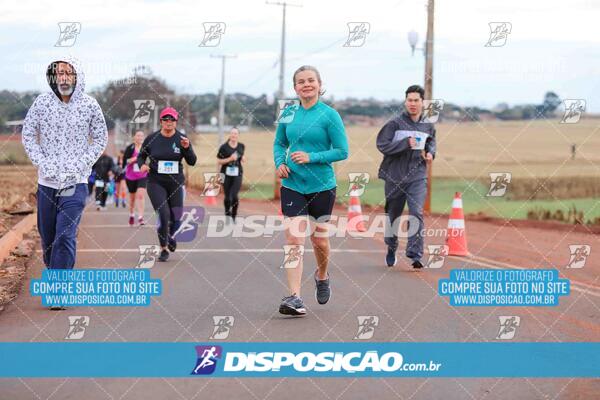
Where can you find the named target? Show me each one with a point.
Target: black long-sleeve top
(157, 147)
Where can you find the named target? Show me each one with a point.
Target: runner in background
(230, 157)
(135, 179)
(166, 149)
(102, 168)
(120, 187)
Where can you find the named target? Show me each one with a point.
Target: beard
(66, 89)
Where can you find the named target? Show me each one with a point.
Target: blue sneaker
(292, 305)
(322, 290)
(390, 257)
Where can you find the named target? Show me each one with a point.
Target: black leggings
(101, 195)
(232, 186)
(166, 196)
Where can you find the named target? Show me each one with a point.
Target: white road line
(223, 251)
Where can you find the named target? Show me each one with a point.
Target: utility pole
(280, 92)
(429, 89)
(223, 57)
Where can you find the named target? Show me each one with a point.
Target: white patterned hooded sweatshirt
(63, 140)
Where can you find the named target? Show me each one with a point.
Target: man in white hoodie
(64, 134)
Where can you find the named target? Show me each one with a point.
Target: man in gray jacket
(407, 143)
(64, 133)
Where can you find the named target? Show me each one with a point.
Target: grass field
(467, 153)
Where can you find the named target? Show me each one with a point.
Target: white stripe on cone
(456, 224)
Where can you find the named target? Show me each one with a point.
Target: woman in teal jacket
(310, 137)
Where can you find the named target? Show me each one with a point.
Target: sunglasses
(168, 118)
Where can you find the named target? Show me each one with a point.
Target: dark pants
(231, 187)
(166, 196)
(396, 196)
(101, 195)
(57, 219)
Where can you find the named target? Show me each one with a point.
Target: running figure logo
(77, 325)
(366, 326)
(357, 183)
(357, 34)
(292, 255)
(212, 34)
(143, 110)
(223, 325)
(499, 183)
(432, 110)
(68, 33)
(212, 183)
(579, 255)
(287, 110)
(437, 255)
(148, 255)
(191, 218)
(508, 327)
(574, 108)
(207, 359)
(499, 32)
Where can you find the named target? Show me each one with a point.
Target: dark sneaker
(164, 256)
(141, 221)
(390, 257)
(292, 305)
(323, 290)
(131, 220)
(417, 264)
(172, 246)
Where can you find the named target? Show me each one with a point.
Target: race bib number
(168, 167)
(99, 183)
(136, 167)
(232, 170)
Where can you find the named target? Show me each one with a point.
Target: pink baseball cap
(169, 111)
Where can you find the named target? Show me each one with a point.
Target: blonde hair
(309, 68)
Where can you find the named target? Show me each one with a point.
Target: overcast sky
(553, 45)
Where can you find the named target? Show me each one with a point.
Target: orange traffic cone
(456, 236)
(210, 198)
(355, 220)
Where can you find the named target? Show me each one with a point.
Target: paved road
(240, 277)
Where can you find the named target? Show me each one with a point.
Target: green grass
(473, 195)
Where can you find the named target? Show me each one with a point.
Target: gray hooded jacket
(401, 164)
(63, 140)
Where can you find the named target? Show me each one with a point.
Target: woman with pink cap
(165, 150)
